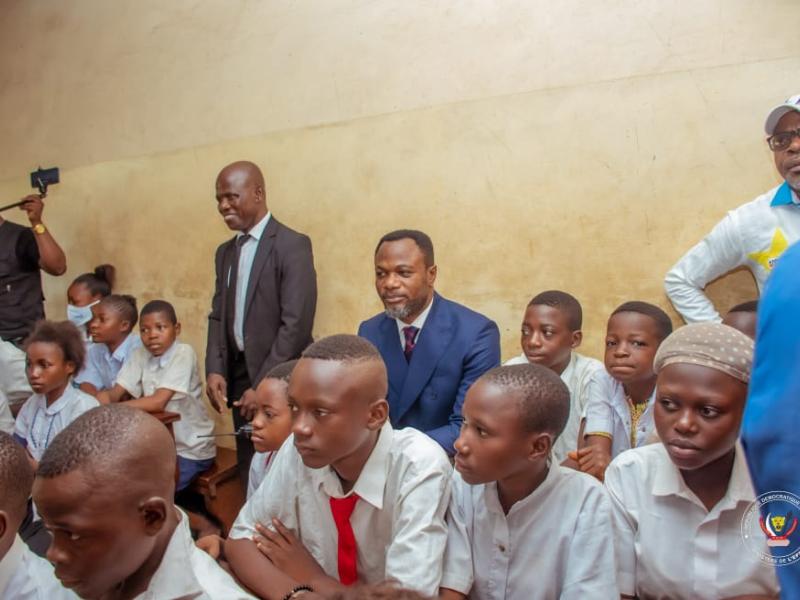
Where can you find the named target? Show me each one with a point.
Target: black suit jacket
(279, 306)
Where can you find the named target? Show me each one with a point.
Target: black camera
(41, 178)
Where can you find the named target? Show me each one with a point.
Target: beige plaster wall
(573, 144)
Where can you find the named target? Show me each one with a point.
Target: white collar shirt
(25, 576)
(419, 323)
(38, 423)
(259, 467)
(552, 544)
(247, 255)
(103, 366)
(398, 523)
(669, 545)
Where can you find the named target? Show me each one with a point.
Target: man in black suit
(264, 299)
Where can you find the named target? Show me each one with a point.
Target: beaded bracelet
(298, 590)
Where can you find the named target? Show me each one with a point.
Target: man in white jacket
(753, 235)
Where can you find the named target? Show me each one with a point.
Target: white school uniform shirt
(753, 235)
(556, 543)
(247, 254)
(38, 423)
(188, 572)
(103, 366)
(668, 545)
(576, 376)
(607, 411)
(398, 523)
(176, 370)
(260, 465)
(6, 418)
(25, 576)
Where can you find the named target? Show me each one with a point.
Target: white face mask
(80, 315)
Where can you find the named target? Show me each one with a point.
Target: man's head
(241, 195)
(104, 488)
(405, 272)
(272, 422)
(783, 128)
(337, 397)
(635, 331)
(158, 326)
(512, 417)
(743, 317)
(16, 479)
(551, 329)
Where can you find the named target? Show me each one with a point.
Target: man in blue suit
(434, 349)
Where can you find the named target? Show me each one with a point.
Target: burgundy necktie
(410, 334)
(341, 509)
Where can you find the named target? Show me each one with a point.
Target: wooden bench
(221, 488)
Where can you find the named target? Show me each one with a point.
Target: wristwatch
(39, 228)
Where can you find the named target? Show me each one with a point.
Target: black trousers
(238, 384)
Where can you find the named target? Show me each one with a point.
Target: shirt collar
(667, 481)
(419, 322)
(258, 229)
(57, 406)
(10, 563)
(566, 374)
(122, 350)
(491, 494)
(784, 196)
(163, 360)
(174, 577)
(371, 482)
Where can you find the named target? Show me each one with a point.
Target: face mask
(80, 315)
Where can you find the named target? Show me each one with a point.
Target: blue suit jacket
(454, 348)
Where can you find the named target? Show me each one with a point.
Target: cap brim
(776, 114)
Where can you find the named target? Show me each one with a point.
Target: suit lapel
(265, 246)
(432, 343)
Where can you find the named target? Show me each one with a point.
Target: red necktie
(342, 508)
(410, 334)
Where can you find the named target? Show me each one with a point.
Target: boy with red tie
(349, 499)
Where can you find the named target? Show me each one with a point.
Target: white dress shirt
(6, 418)
(576, 376)
(556, 543)
(259, 467)
(753, 235)
(38, 423)
(668, 545)
(25, 576)
(419, 323)
(176, 370)
(247, 255)
(398, 523)
(103, 366)
(607, 411)
(188, 572)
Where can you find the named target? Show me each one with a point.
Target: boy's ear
(540, 445)
(178, 328)
(153, 513)
(378, 414)
(432, 270)
(3, 523)
(577, 338)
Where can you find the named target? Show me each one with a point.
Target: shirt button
(501, 547)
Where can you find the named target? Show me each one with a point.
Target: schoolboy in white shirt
(551, 331)
(348, 499)
(519, 526)
(163, 376)
(23, 575)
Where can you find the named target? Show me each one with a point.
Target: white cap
(791, 104)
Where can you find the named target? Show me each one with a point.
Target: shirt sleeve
(22, 425)
(130, 375)
(178, 374)
(457, 572)
(6, 419)
(28, 251)
(599, 410)
(91, 372)
(591, 567)
(419, 533)
(624, 531)
(716, 254)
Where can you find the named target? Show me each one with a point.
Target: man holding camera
(24, 251)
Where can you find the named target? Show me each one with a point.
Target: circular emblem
(769, 528)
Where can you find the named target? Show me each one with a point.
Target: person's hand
(216, 388)
(248, 404)
(211, 545)
(33, 205)
(591, 460)
(286, 552)
(103, 397)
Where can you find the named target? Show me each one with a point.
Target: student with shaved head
(264, 301)
(104, 488)
(348, 498)
(23, 575)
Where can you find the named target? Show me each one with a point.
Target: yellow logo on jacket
(768, 258)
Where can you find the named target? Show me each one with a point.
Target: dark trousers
(238, 383)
